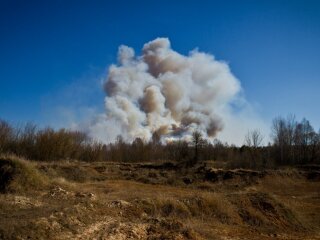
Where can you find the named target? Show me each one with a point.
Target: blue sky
(53, 54)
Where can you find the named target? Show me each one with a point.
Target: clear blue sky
(53, 53)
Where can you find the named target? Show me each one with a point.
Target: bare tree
(283, 133)
(197, 141)
(6, 135)
(305, 141)
(254, 138)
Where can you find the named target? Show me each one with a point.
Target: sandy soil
(163, 201)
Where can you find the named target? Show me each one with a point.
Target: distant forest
(293, 143)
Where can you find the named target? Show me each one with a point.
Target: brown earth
(76, 200)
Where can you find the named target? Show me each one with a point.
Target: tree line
(293, 142)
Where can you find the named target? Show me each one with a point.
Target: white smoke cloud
(166, 93)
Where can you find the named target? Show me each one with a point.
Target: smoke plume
(165, 93)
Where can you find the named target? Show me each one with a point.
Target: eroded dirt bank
(72, 200)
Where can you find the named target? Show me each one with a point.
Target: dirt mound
(19, 175)
(150, 201)
(215, 175)
(260, 210)
(72, 172)
(155, 228)
(164, 166)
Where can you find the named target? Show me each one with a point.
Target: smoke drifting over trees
(294, 142)
(165, 93)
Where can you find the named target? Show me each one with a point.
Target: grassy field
(101, 200)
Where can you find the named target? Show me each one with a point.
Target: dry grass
(112, 202)
(19, 175)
